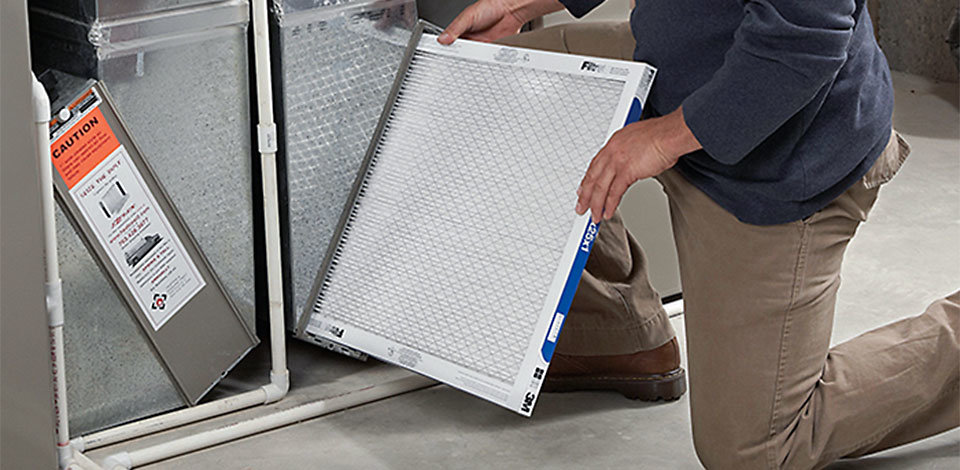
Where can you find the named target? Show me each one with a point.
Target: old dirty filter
(338, 61)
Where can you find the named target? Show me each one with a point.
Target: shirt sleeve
(783, 53)
(578, 8)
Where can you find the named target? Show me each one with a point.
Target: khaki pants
(766, 389)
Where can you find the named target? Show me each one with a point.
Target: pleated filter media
(459, 253)
(338, 62)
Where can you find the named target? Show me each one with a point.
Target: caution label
(118, 207)
(82, 147)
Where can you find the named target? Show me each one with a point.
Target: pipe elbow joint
(78, 444)
(65, 457)
(278, 387)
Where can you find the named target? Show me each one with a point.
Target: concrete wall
(913, 34)
(26, 420)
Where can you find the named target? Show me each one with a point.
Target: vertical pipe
(41, 108)
(267, 141)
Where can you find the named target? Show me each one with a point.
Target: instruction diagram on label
(120, 210)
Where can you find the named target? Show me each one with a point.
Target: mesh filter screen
(338, 67)
(462, 235)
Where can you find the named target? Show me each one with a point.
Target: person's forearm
(679, 139)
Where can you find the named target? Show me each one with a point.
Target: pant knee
(721, 447)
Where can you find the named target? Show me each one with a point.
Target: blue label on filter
(636, 109)
(569, 289)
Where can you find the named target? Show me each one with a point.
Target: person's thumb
(461, 24)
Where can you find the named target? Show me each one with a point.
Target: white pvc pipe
(267, 140)
(84, 463)
(41, 112)
(52, 286)
(128, 460)
(170, 420)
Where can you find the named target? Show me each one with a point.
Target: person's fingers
(461, 24)
(600, 160)
(497, 31)
(484, 36)
(598, 196)
(585, 190)
(617, 190)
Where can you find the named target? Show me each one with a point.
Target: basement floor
(904, 257)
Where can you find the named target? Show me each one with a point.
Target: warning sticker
(120, 210)
(82, 147)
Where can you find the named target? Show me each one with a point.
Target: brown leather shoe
(647, 375)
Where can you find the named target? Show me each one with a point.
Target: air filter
(338, 61)
(459, 252)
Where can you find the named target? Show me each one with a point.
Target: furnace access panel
(143, 246)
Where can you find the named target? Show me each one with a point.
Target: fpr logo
(589, 66)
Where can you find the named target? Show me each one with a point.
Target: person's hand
(638, 151)
(489, 20)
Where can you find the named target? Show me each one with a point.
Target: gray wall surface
(441, 12)
(913, 35)
(26, 412)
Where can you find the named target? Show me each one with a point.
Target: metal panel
(206, 152)
(184, 94)
(189, 108)
(106, 352)
(338, 64)
(112, 374)
(293, 6)
(205, 338)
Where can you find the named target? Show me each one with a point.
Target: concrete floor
(907, 255)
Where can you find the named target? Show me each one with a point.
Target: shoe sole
(667, 387)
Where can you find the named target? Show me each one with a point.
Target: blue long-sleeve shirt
(791, 100)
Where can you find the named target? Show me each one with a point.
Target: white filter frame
(520, 392)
